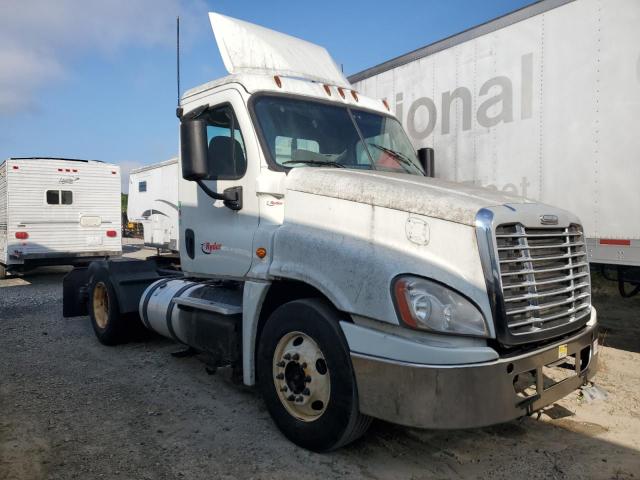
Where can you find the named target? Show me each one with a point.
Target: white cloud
(39, 38)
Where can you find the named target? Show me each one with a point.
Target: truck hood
(455, 202)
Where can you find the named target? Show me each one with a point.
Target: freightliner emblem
(549, 219)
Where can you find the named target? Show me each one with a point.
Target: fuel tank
(205, 315)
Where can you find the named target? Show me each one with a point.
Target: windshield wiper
(397, 155)
(327, 163)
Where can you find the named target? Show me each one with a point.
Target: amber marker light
(354, 94)
(386, 104)
(327, 89)
(261, 252)
(278, 81)
(401, 287)
(341, 91)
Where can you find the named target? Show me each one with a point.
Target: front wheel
(306, 377)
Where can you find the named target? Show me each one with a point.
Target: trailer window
(58, 197)
(53, 197)
(67, 197)
(142, 186)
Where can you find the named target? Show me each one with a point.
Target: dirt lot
(71, 408)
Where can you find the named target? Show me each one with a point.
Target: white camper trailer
(153, 202)
(541, 103)
(56, 211)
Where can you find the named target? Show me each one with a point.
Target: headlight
(428, 305)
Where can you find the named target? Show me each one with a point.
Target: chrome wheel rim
(101, 305)
(301, 376)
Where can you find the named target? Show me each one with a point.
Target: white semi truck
(320, 262)
(536, 103)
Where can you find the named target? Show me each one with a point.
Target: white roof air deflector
(249, 48)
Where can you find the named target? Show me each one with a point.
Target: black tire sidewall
(318, 320)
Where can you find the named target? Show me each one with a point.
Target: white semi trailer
(57, 211)
(320, 262)
(540, 103)
(153, 202)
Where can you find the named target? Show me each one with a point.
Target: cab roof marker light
(354, 94)
(278, 81)
(327, 89)
(341, 92)
(386, 104)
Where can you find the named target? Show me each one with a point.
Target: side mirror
(427, 156)
(194, 149)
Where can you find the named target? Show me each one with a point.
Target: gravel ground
(72, 408)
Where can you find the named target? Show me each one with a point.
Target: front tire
(109, 326)
(306, 377)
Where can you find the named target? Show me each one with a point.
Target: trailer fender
(129, 279)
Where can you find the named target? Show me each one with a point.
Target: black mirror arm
(232, 197)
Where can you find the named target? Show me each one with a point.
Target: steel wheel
(301, 376)
(101, 305)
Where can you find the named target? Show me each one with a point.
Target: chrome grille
(545, 277)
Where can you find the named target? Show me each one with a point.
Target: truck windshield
(306, 133)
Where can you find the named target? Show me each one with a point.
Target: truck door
(217, 240)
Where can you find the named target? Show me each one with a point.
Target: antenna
(178, 55)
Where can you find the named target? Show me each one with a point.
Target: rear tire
(110, 327)
(306, 377)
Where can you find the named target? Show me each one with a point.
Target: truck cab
(320, 262)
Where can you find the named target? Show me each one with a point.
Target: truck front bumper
(475, 395)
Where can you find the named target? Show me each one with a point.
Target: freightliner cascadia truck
(321, 263)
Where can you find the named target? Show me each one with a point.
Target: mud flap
(74, 293)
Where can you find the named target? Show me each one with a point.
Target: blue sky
(96, 79)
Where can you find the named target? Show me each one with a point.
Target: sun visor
(249, 48)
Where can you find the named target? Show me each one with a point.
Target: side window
(142, 186)
(66, 196)
(286, 145)
(59, 197)
(53, 197)
(227, 156)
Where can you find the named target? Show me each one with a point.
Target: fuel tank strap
(172, 305)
